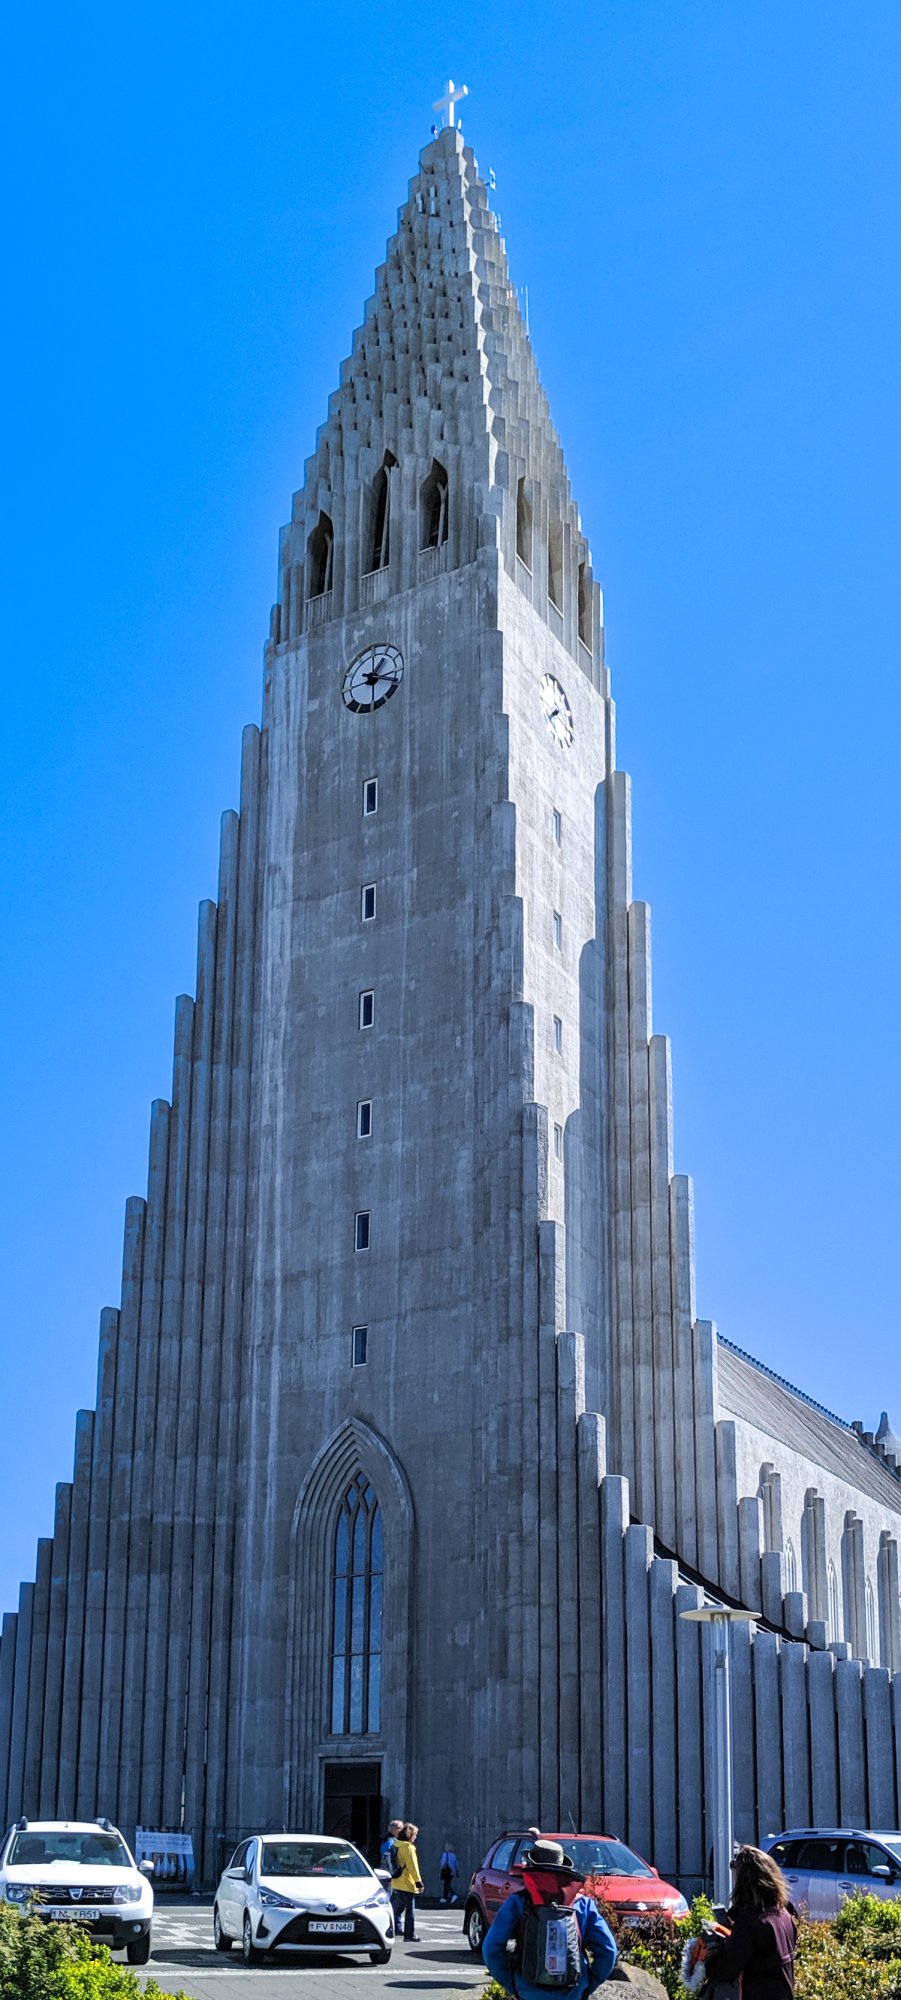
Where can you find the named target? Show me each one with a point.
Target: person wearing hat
(584, 1951)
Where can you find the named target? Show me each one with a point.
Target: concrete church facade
(409, 1447)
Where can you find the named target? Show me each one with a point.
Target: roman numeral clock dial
(372, 678)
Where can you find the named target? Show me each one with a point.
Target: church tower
(409, 1449)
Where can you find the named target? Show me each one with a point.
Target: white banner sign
(172, 1854)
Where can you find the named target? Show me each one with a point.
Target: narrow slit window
(367, 902)
(359, 1346)
(364, 1118)
(557, 828)
(367, 1008)
(370, 797)
(558, 931)
(558, 1142)
(584, 605)
(433, 508)
(320, 557)
(524, 525)
(361, 1229)
(555, 564)
(380, 516)
(558, 1035)
(357, 1578)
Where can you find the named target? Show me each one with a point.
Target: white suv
(80, 1872)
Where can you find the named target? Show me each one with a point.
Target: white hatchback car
(80, 1872)
(311, 1891)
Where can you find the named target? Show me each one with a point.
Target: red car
(613, 1873)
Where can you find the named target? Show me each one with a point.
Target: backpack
(394, 1859)
(549, 1946)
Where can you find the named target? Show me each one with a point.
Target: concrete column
(703, 1337)
(895, 1696)
(768, 1731)
(592, 1458)
(619, 856)
(771, 1585)
(727, 1508)
(37, 1676)
(813, 1554)
(889, 1602)
(639, 1555)
(794, 1613)
(15, 1803)
(235, 1263)
(663, 1579)
(614, 1522)
(690, 1739)
(95, 1582)
(824, 1747)
(852, 1774)
(165, 1433)
(796, 1756)
(854, 1586)
(639, 937)
(570, 1405)
(686, 1435)
(212, 1325)
(550, 1303)
(749, 1542)
(660, 1108)
(56, 1639)
(882, 1799)
(110, 1734)
(771, 1499)
(7, 1683)
(75, 1606)
(744, 1797)
(189, 1373)
(142, 1495)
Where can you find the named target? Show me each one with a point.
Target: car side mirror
(382, 1875)
(883, 1873)
(145, 1867)
(248, 1874)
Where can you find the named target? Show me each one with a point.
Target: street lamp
(720, 1617)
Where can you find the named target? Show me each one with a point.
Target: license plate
(80, 1915)
(332, 1930)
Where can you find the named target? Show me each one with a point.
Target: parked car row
(613, 1872)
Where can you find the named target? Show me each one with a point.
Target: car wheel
(249, 1951)
(475, 1928)
(382, 1957)
(220, 1940)
(138, 1951)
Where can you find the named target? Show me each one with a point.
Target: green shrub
(832, 1967)
(872, 1923)
(43, 1961)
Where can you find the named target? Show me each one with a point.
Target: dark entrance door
(352, 1805)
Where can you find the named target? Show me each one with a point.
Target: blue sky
(703, 200)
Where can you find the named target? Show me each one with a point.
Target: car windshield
(311, 1857)
(94, 1850)
(606, 1857)
(894, 1848)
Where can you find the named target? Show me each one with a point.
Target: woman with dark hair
(761, 1948)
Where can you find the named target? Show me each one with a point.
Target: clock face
(557, 712)
(372, 677)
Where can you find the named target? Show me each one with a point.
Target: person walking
(562, 1943)
(760, 1948)
(449, 1869)
(387, 1854)
(406, 1882)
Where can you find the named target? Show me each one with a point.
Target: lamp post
(720, 1618)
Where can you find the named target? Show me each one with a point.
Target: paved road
(183, 1959)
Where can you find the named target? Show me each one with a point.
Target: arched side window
(834, 1624)
(320, 556)
(872, 1646)
(791, 1566)
(523, 525)
(357, 1612)
(380, 515)
(555, 564)
(433, 508)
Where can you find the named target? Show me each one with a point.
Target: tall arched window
(380, 515)
(555, 564)
(433, 508)
(834, 1625)
(523, 525)
(872, 1647)
(357, 1612)
(320, 552)
(791, 1566)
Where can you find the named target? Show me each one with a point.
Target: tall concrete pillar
(70, 1707)
(687, 1434)
(639, 940)
(852, 1772)
(614, 1522)
(744, 1801)
(37, 1677)
(663, 1579)
(15, 1803)
(7, 1682)
(814, 1554)
(727, 1509)
(570, 1405)
(550, 1305)
(768, 1729)
(795, 1735)
(97, 1560)
(592, 1467)
(824, 1804)
(749, 1546)
(882, 1798)
(854, 1585)
(639, 1555)
(660, 1111)
(619, 862)
(889, 1588)
(703, 1337)
(690, 1740)
(110, 1732)
(56, 1640)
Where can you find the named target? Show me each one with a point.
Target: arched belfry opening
(585, 607)
(524, 523)
(320, 557)
(379, 523)
(433, 495)
(555, 564)
(349, 1668)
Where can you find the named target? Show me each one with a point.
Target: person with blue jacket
(549, 1877)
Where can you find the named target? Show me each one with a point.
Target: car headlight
(274, 1901)
(127, 1893)
(380, 1897)
(679, 1908)
(17, 1892)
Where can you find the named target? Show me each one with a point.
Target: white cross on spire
(448, 103)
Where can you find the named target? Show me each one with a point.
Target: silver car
(823, 1865)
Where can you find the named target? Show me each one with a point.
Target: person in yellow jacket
(406, 1882)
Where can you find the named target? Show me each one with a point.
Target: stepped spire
(440, 421)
